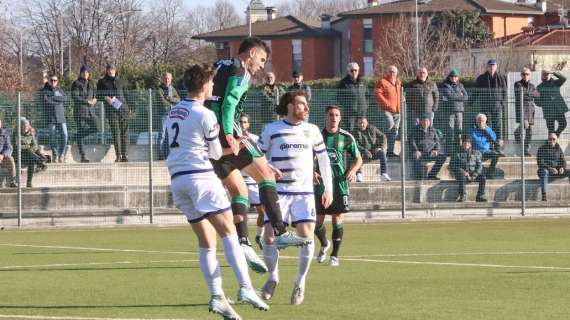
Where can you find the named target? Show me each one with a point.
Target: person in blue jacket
(484, 140)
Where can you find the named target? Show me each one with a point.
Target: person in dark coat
(453, 100)
(466, 165)
(271, 92)
(351, 95)
(53, 100)
(551, 101)
(425, 147)
(167, 98)
(84, 108)
(525, 116)
(492, 97)
(111, 89)
(551, 163)
(372, 145)
(422, 97)
(298, 84)
(31, 155)
(7, 164)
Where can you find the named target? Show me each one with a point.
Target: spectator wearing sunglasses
(53, 100)
(525, 112)
(551, 163)
(351, 95)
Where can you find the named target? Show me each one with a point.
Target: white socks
(259, 231)
(211, 271)
(236, 259)
(271, 257)
(305, 258)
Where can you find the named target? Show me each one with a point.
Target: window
(269, 63)
(297, 54)
(368, 43)
(368, 66)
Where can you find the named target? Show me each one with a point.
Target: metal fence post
(402, 132)
(19, 164)
(522, 139)
(150, 161)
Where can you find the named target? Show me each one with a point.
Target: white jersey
(290, 148)
(191, 126)
(249, 180)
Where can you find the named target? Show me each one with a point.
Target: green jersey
(338, 145)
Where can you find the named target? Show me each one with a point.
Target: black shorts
(226, 164)
(338, 205)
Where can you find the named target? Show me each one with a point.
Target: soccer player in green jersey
(240, 153)
(339, 143)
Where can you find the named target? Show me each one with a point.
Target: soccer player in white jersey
(252, 188)
(199, 194)
(289, 145)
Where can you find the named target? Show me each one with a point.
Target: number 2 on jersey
(176, 128)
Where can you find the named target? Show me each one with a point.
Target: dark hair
(244, 115)
(197, 76)
(333, 106)
(287, 98)
(253, 42)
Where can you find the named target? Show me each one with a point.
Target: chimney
(372, 3)
(326, 21)
(271, 13)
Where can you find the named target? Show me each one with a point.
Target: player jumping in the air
(339, 143)
(199, 194)
(231, 84)
(289, 145)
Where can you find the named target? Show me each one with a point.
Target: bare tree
(222, 15)
(315, 8)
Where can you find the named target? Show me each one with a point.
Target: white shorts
(253, 195)
(199, 195)
(297, 208)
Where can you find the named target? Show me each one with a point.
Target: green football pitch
(493, 269)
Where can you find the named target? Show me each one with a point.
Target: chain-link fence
(77, 161)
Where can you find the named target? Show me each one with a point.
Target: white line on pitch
(9, 316)
(507, 253)
(96, 249)
(458, 264)
(92, 264)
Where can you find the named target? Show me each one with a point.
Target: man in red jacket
(388, 94)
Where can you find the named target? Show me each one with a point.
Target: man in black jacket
(453, 104)
(372, 145)
(551, 101)
(424, 147)
(53, 100)
(110, 89)
(525, 118)
(492, 97)
(299, 85)
(466, 166)
(167, 98)
(351, 95)
(551, 163)
(84, 108)
(422, 97)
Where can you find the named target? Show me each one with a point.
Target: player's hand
(233, 143)
(368, 153)
(434, 153)
(316, 177)
(327, 199)
(418, 154)
(350, 176)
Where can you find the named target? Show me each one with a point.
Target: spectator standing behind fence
(53, 100)
(528, 91)
(351, 95)
(425, 147)
(7, 164)
(388, 93)
(110, 89)
(453, 100)
(168, 97)
(466, 165)
(84, 108)
(552, 102)
(372, 145)
(270, 93)
(492, 97)
(422, 97)
(484, 140)
(30, 152)
(551, 163)
(299, 85)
